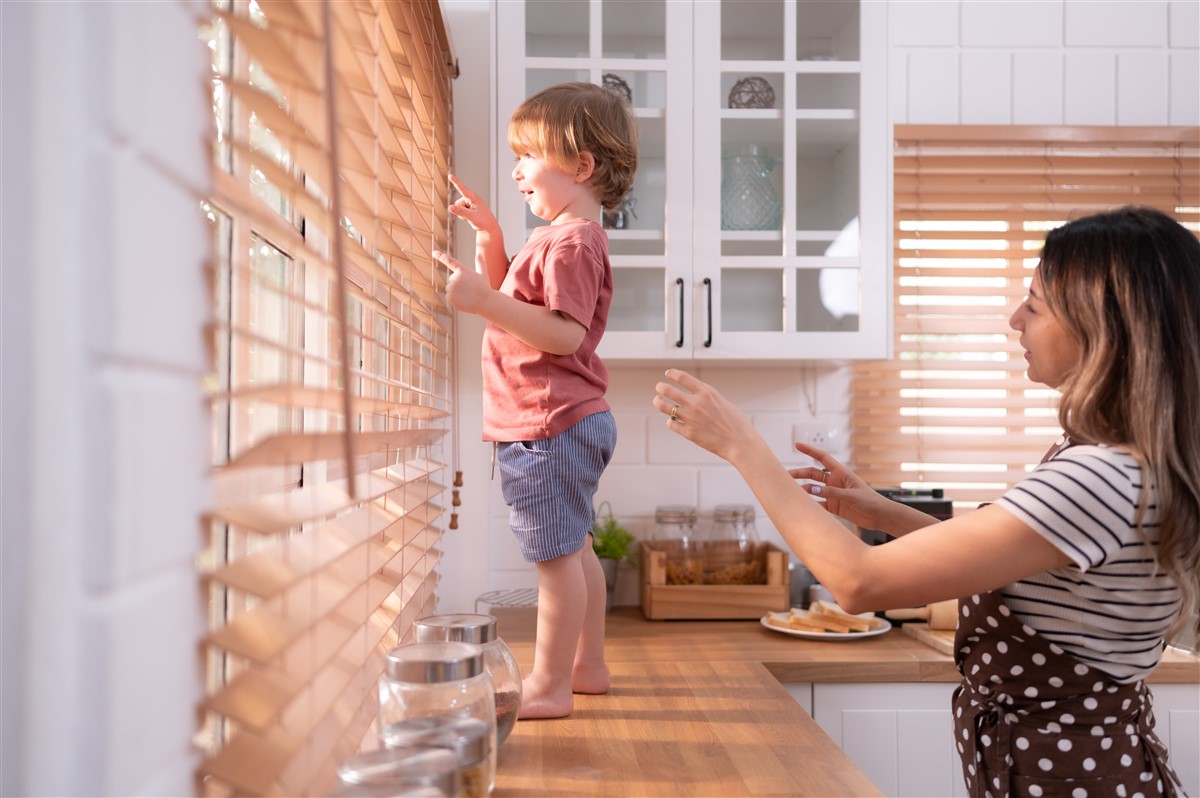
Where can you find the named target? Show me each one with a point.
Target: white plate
(883, 627)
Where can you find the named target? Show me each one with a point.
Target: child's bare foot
(541, 700)
(590, 679)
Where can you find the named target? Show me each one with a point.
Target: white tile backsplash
(1064, 62)
(1114, 23)
(1183, 17)
(1185, 88)
(1003, 23)
(1037, 95)
(1089, 94)
(1143, 81)
(987, 86)
(925, 23)
(933, 86)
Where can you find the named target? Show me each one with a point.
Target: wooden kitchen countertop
(697, 708)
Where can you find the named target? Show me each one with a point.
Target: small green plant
(610, 540)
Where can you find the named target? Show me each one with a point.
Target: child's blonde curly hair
(564, 120)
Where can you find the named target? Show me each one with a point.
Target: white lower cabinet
(1177, 721)
(902, 734)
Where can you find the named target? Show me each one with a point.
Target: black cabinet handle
(708, 287)
(679, 282)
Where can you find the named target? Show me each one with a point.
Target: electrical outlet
(820, 435)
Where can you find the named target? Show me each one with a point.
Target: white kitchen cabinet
(808, 279)
(902, 735)
(1177, 721)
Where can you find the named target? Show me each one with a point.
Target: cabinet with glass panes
(759, 222)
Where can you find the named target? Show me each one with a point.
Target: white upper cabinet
(759, 225)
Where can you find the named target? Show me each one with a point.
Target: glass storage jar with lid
(675, 534)
(498, 658)
(443, 679)
(732, 552)
(391, 772)
(467, 738)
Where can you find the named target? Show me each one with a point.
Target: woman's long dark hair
(1126, 284)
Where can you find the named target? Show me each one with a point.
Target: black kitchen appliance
(931, 501)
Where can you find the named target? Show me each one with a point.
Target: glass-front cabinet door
(792, 179)
(639, 49)
(758, 226)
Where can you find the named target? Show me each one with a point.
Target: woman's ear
(585, 167)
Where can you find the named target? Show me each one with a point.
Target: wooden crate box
(661, 601)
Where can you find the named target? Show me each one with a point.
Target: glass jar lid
(424, 663)
(675, 514)
(734, 512)
(727, 513)
(468, 738)
(402, 769)
(463, 627)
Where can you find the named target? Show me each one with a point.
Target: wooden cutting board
(938, 639)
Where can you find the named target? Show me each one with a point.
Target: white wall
(104, 421)
(1084, 62)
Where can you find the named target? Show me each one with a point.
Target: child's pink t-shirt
(529, 394)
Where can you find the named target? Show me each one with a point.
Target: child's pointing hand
(466, 289)
(471, 208)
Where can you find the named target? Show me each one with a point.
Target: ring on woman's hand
(824, 474)
(675, 413)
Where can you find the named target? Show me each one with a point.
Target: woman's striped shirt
(1113, 605)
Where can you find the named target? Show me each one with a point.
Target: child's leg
(590, 674)
(562, 605)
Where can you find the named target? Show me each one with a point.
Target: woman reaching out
(1069, 584)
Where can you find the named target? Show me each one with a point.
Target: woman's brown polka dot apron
(1031, 720)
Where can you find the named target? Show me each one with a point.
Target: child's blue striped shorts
(549, 485)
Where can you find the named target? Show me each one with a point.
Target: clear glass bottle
(392, 772)
(467, 738)
(498, 658)
(444, 679)
(675, 534)
(732, 554)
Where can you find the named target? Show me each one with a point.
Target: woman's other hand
(846, 495)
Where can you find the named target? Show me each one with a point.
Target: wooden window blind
(953, 409)
(332, 378)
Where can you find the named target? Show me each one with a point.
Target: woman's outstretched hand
(846, 495)
(698, 412)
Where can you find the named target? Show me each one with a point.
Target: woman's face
(1050, 350)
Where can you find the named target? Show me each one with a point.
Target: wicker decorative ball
(615, 83)
(752, 92)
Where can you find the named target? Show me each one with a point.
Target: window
(953, 408)
(331, 383)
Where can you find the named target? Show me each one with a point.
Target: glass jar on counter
(393, 772)
(498, 659)
(466, 738)
(443, 679)
(732, 552)
(675, 535)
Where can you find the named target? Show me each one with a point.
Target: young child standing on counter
(543, 384)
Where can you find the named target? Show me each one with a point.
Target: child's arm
(489, 238)
(540, 327)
